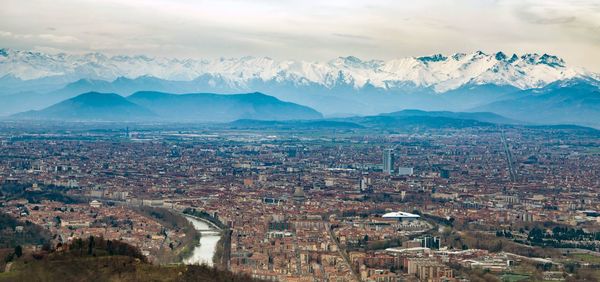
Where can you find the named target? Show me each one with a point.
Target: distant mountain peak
(98, 99)
(351, 60)
(545, 59)
(438, 71)
(91, 106)
(480, 53)
(160, 106)
(433, 58)
(500, 56)
(553, 61)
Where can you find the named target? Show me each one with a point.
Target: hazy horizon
(306, 30)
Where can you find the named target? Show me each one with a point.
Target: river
(204, 251)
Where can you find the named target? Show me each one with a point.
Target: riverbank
(222, 251)
(205, 216)
(173, 251)
(206, 246)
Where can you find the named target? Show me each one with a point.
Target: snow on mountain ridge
(440, 72)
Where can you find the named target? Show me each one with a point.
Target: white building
(405, 171)
(95, 204)
(401, 216)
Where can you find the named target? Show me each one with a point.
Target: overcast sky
(305, 29)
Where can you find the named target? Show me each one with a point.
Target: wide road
(509, 158)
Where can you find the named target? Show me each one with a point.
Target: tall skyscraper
(388, 161)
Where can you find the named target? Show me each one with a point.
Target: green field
(586, 258)
(514, 277)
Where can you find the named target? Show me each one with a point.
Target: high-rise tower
(388, 161)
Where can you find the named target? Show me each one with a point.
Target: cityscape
(434, 205)
(300, 141)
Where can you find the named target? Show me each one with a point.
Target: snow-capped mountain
(438, 72)
(342, 86)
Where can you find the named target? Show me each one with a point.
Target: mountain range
(165, 107)
(440, 72)
(241, 111)
(247, 111)
(509, 85)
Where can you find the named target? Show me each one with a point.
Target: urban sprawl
(320, 205)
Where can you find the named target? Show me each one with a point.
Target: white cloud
(309, 29)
